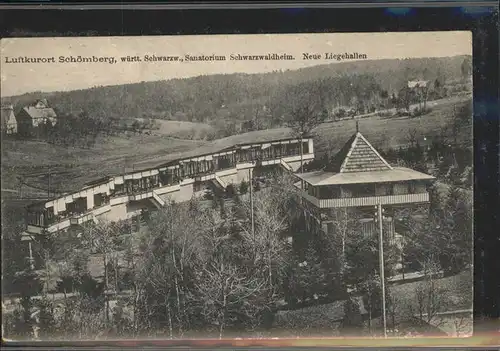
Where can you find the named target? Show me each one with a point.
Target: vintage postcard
(237, 186)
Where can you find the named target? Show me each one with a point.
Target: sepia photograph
(237, 186)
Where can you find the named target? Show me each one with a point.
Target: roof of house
(224, 144)
(394, 175)
(358, 155)
(34, 112)
(359, 162)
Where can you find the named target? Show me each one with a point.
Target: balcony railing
(367, 201)
(127, 191)
(84, 218)
(60, 222)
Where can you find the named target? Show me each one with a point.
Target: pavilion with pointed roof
(359, 177)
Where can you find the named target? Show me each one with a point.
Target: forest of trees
(254, 101)
(190, 269)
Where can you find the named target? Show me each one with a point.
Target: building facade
(32, 116)
(9, 120)
(359, 178)
(125, 196)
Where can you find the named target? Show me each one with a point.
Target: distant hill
(216, 99)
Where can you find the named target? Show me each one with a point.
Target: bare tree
(100, 238)
(394, 306)
(462, 326)
(227, 294)
(44, 247)
(422, 93)
(171, 246)
(429, 296)
(233, 282)
(305, 109)
(344, 222)
(274, 209)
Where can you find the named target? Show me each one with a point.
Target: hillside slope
(243, 97)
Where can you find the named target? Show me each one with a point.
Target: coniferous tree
(29, 285)
(307, 280)
(47, 322)
(372, 296)
(352, 323)
(243, 187)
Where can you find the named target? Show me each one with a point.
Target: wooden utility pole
(301, 153)
(381, 262)
(250, 175)
(32, 261)
(48, 185)
(21, 180)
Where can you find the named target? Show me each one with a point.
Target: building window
(276, 151)
(78, 206)
(400, 188)
(165, 177)
(292, 149)
(362, 190)
(328, 192)
(383, 189)
(411, 188)
(420, 188)
(119, 189)
(310, 190)
(50, 215)
(99, 200)
(345, 192)
(266, 153)
(305, 147)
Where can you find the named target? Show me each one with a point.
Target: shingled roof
(358, 162)
(358, 155)
(35, 112)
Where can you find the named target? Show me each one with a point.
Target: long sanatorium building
(358, 178)
(126, 195)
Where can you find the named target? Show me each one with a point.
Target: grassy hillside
(72, 167)
(392, 132)
(183, 129)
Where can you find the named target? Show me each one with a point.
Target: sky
(19, 78)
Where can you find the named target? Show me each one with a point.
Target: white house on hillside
(33, 115)
(9, 121)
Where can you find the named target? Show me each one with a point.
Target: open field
(182, 129)
(72, 167)
(386, 132)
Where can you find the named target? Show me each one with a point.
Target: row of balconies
(131, 190)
